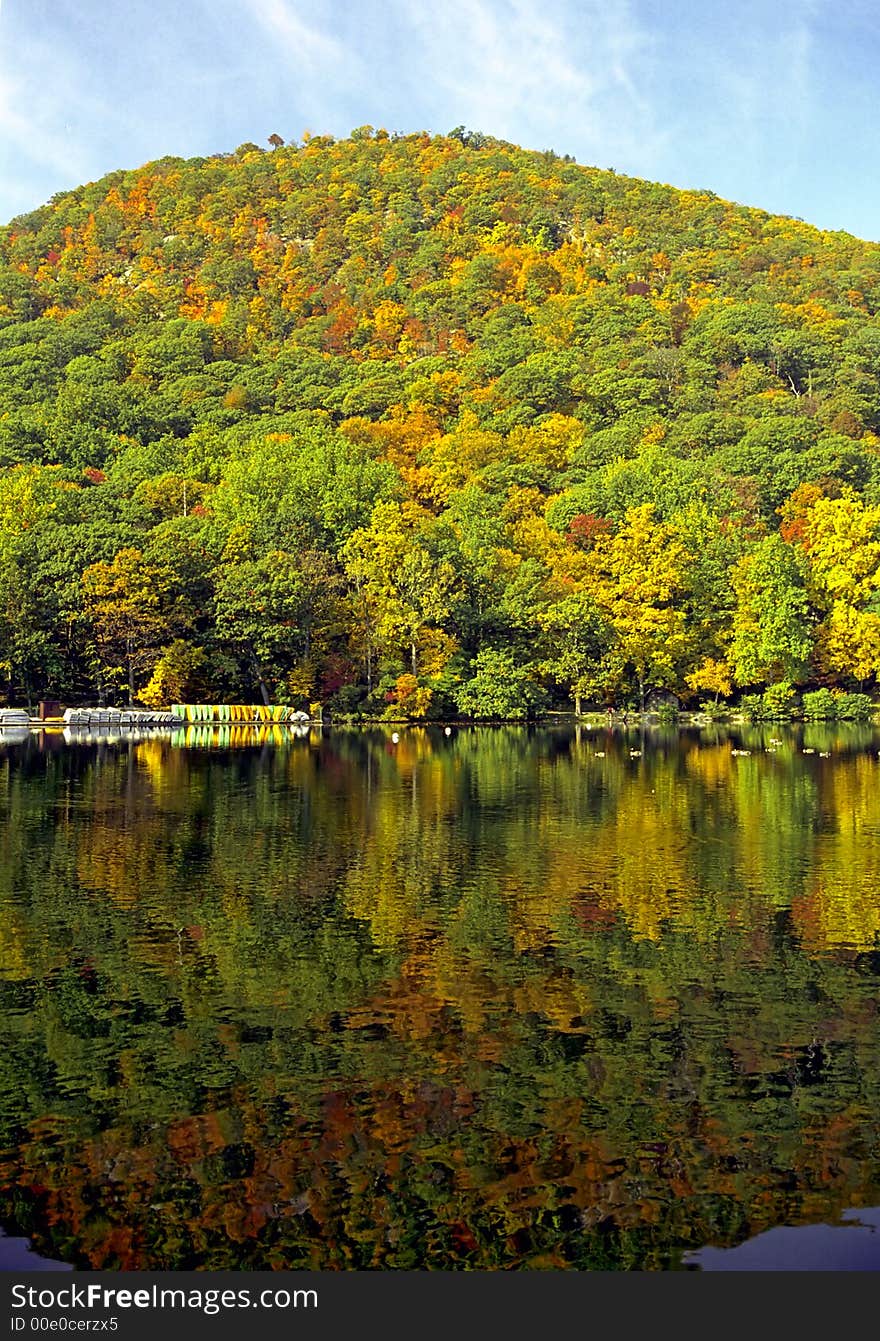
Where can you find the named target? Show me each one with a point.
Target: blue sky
(768, 102)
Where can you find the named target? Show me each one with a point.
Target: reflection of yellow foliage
(840, 914)
(713, 765)
(113, 862)
(842, 908)
(387, 884)
(649, 892)
(151, 756)
(558, 867)
(14, 958)
(559, 999)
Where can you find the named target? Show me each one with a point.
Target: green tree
(772, 622)
(499, 688)
(637, 578)
(578, 638)
(258, 609)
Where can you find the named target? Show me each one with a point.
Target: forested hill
(432, 424)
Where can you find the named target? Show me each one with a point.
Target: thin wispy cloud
(551, 74)
(284, 22)
(35, 120)
(747, 108)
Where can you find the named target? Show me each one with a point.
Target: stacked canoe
(278, 714)
(14, 717)
(117, 717)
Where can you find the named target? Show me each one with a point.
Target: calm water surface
(505, 999)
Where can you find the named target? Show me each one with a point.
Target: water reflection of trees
(503, 998)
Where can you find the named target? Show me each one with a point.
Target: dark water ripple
(505, 999)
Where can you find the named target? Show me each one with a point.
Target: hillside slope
(430, 424)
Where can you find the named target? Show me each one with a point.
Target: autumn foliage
(375, 407)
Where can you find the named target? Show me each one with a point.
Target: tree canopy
(324, 418)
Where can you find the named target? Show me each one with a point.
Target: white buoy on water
(394, 737)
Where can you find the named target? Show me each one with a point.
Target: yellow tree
(637, 578)
(849, 641)
(123, 600)
(712, 676)
(842, 539)
(400, 591)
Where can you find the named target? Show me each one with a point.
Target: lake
(513, 997)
